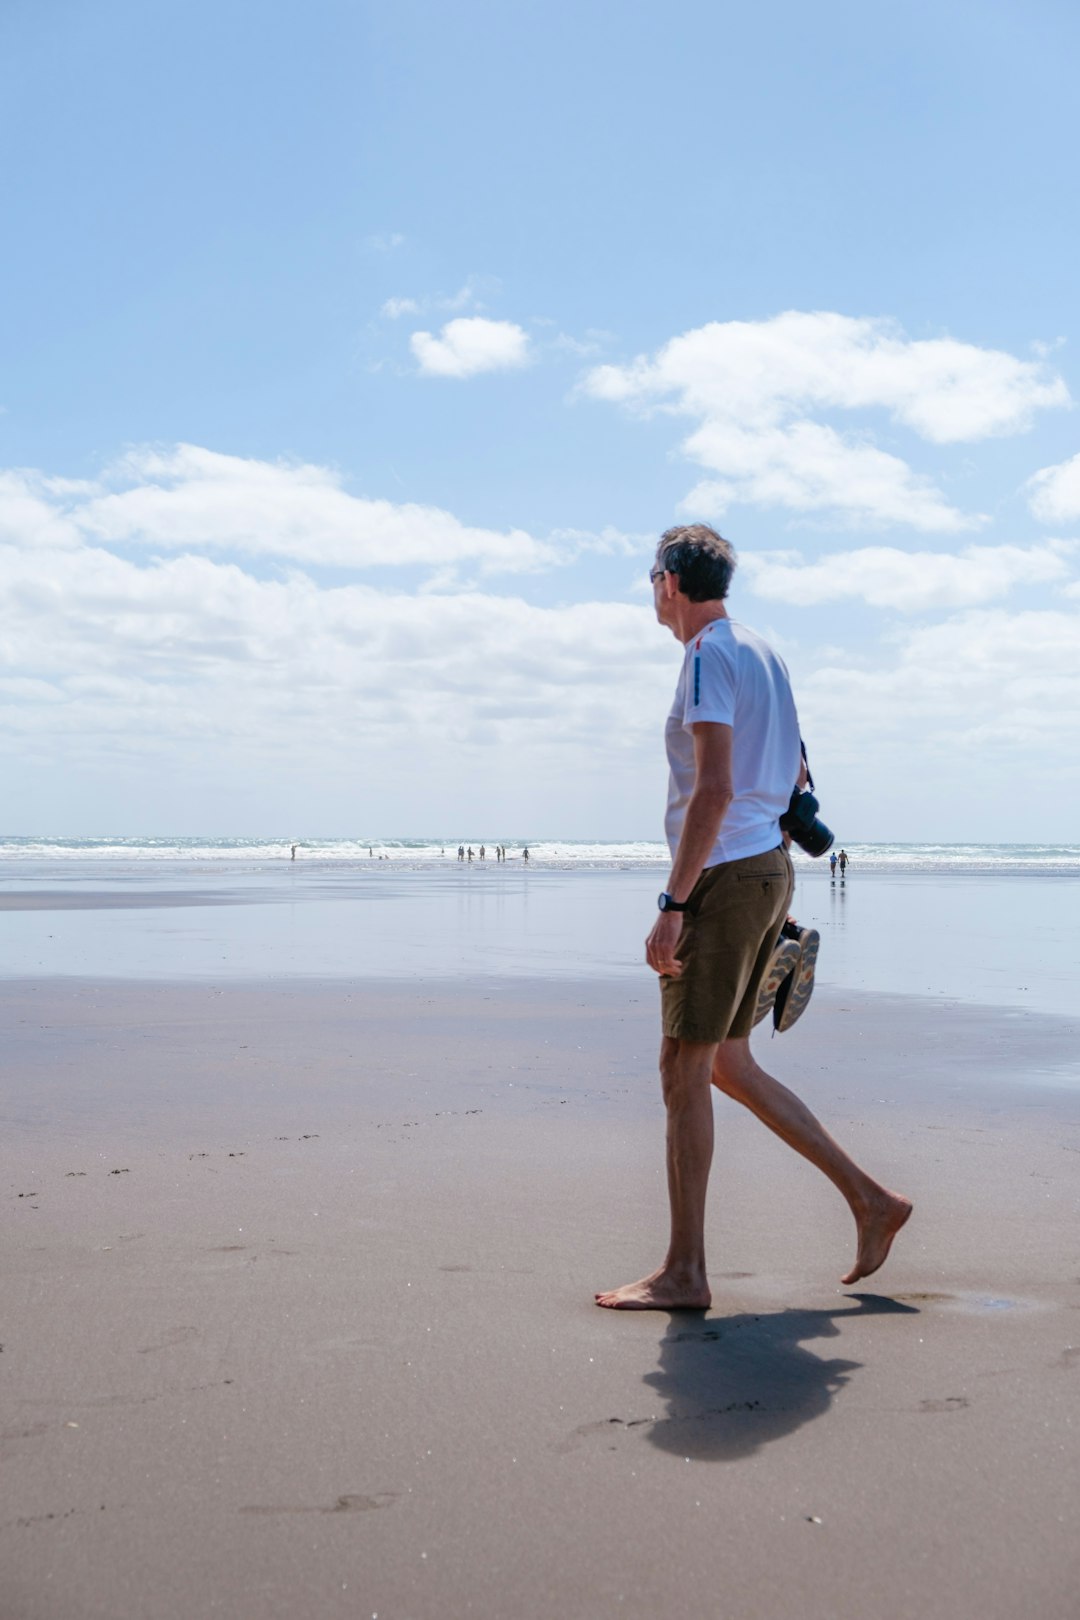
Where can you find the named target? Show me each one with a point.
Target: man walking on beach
(734, 754)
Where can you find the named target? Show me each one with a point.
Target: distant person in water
(461, 852)
(469, 853)
(832, 863)
(524, 854)
(734, 755)
(843, 861)
(483, 853)
(292, 852)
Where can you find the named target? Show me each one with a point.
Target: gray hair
(703, 560)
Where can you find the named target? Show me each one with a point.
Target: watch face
(662, 902)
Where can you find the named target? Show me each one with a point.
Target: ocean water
(993, 925)
(37, 858)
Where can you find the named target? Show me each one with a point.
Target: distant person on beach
(469, 852)
(292, 852)
(843, 862)
(832, 864)
(461, 852)
(733, 750)
(524, 854)
(483, 852)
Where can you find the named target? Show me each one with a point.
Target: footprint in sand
(605, 1426)
(176, 1335)
(29, 1432)
(951, 1403)
(343, 1504)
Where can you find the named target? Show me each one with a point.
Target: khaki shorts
(728, 934)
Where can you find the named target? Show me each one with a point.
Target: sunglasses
(657, 573)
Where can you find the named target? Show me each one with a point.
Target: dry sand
(298, 1320)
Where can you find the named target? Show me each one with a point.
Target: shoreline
(979, 941)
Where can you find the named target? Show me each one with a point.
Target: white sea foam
(94, 854)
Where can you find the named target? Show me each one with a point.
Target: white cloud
(470, 295)
(1055, 492)
(908, 581)
(34, 509)
(189, 664)
(165, 670)
(992, 679)
(470, 345)
(96, 646)
(396, 307)
(129, 652)
(758, 387)
(809, 467)
(584, 348)
(186, 497)
(385, 241)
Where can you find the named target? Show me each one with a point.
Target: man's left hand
(661, 943)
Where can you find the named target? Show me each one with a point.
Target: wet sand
(298, 1313)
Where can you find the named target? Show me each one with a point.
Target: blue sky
(455, 308)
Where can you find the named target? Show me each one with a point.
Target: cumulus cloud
(980, 680)
(189, 647)
(908, 581)
(470, 345)
(33, 510)
(1055, 492)
(809, 467)
(758, 389)
(130, 644)
(187, 497)
(112, 653)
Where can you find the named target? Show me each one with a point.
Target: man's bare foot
(877, 1228)
(663, 1291)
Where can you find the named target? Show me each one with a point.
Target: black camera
(800, 819)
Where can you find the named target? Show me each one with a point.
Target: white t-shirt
(731, 677)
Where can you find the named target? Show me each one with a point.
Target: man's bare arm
(705, 812)
(708, 803)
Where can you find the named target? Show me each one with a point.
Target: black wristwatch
(666, 903)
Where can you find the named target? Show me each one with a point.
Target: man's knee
(733, 1069)
(685, 1066)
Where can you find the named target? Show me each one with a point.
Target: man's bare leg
(879, 1214)
(686, 1069)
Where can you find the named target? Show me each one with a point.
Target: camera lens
(815, 839)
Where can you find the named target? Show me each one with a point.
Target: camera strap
(806, 762)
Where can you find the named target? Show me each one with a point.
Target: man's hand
(661, 943)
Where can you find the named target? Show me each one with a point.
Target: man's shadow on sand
(732, 1384)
